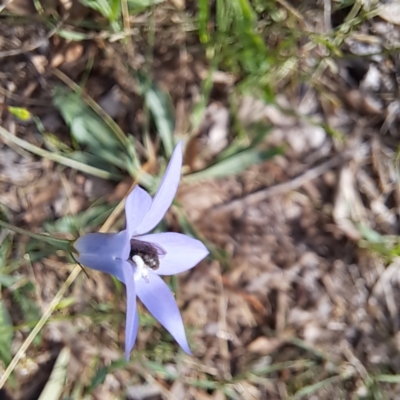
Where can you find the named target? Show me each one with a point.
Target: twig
(357, 364)
(223, 335)
(281, 188)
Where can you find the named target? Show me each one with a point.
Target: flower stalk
(59, 244)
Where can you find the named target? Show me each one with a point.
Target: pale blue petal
(165, 193)
(183, 252)
(103, 252)
(131, 326)
(137, 205)
(158, 299)
(129, 343)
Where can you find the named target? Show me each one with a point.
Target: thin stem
(62, 244)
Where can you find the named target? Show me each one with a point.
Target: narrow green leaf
(60, 244)
(90, 218)
(7, 281)
(5, 250)
(203, 384)
(89, 130)
(6, 334)
(160, 107)
(386, 378)
(234, 164)
(101, 374)
(105, 161)
(102, 6)
(71, 35)
(139, 5)
(308, 390)
(57, 157)
(65, 303)
(86, 126)
(23, 296)
(203, 17)
(54, 143)
(161, 370)
(371, 235)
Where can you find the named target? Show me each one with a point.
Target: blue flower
(137, 259)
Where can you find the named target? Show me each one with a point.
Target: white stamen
(141, 269)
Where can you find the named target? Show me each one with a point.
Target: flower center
(141, 270)
(150, 253)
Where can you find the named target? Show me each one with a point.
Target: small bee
(148, 252)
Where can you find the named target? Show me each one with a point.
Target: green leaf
(102, 372)
(54, 143)
(202, 18)
(158, 104)
(204, 384)
(371, 235)
(87, 220)
(97, 162)
(65, 303)
(5, 250)
(259, 133)
(57, 379)
(388, 378)
(139, 5)
(57, 157)
(59, 244)
(160, 107)
(23, 296)
(6, 334)
(86, 126)
(7, 281)
(109, 8)
(71, 35)
(234, 164)
(162, 370)
(308, 390)
(89, 129)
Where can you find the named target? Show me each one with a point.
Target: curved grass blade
(59, 158)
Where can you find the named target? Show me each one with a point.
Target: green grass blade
(203, 16)
(234, 164)
(57, 243)
(386, 378)
(160, 107)
(6, 334)
(311, 389)
(58, 158)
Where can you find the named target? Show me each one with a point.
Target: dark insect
(148, 252)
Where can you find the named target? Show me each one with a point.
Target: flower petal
(183, 252)
(137, 204)
(103, 252)
(132, 320)
(165, 193)
(158, 299)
